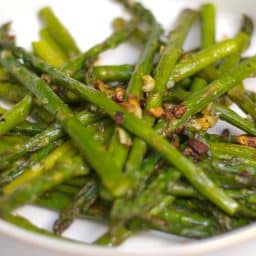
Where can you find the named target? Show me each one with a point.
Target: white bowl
(89, 21)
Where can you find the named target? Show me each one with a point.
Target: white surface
(89, 22)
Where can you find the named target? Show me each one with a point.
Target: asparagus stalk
(120, 73)
(59, 32)
(47, 49)
(238, 95)
(138, 36)
(53, 200)
(197, 84)
(170, 56)
(182, 223)
(16, 115)
(24, 127)
(228, 150)
(145, 63)
(179, 189)
(114, 238)
(204, 58)
(26, 224)
(232, 117)
(29, 128)
(138, 10)
(85, 198)
(67, 189)
(147, 169)
(118, 150)
(207, 14)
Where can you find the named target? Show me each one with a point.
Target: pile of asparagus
(130, 145)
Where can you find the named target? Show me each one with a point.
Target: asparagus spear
(231, 166)
(26, 224)
(16, 115)
(207, 14)
(85, 197)
(197, 84)
(170, 56)
(233, 60)
(25, 127)
(180, 189)
(119, 146)
(182, 223)
(228, 150)
(175, 95)
(232, 117)
(145, 63)
(114, 238)
(59, 32)
(47, 49)
(120, 73)
(147, 168)
(238, 95)
(29, 128)
(138, 36)
(139, 128)
(137, 9)
(206, 57)
(67, 189)
(53, 200)
(88, 146)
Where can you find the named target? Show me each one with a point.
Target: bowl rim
(65, 247)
